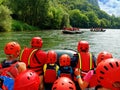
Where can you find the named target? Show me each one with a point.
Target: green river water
(55, 39)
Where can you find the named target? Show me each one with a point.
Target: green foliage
(55, 14)
(77, 19)
(65, 20)
(20, 26)
(94, 2)
(5, 19)
(104, 23)
(94, 21)
(1, 1)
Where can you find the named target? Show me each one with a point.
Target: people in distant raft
(27, 80)
(50, 69)
(90, 79)
(11, 66)
(35, 58)
(65, 69)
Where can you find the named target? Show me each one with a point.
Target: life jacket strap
(30, 56)
(81, 61)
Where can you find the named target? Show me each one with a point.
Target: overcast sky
(110, 6)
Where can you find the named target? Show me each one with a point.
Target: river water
(55, 39)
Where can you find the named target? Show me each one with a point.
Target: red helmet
(103, 55)
(36, 42)
(108, 72)
(51, 57)
(27, 80)
(12, 48)
(65, 60)
(63, 83)
(83, 46)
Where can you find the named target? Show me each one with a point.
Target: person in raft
(90, 79)
(50, 69)
(11, 66)
(63, 83)
(85, 60)
(27, 80)
(108, 72)
(35, 58)
(65, 69)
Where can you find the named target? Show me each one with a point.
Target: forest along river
(55, 39)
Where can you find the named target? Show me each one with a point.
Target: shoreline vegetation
(48, 15)
(20, 26)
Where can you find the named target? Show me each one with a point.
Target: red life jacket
(50, 74)
(25, 55)
(34, 59)
(10, 70)
(85, 62)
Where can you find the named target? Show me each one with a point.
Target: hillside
(94, 2)
(55, 14)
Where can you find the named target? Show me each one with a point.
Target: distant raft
(97, 30)
(71, 30)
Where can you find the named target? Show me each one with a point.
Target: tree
(94, 21)
(57, 17)
(34, 12)
(77, 19)
(65, 20)
(5, 18)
